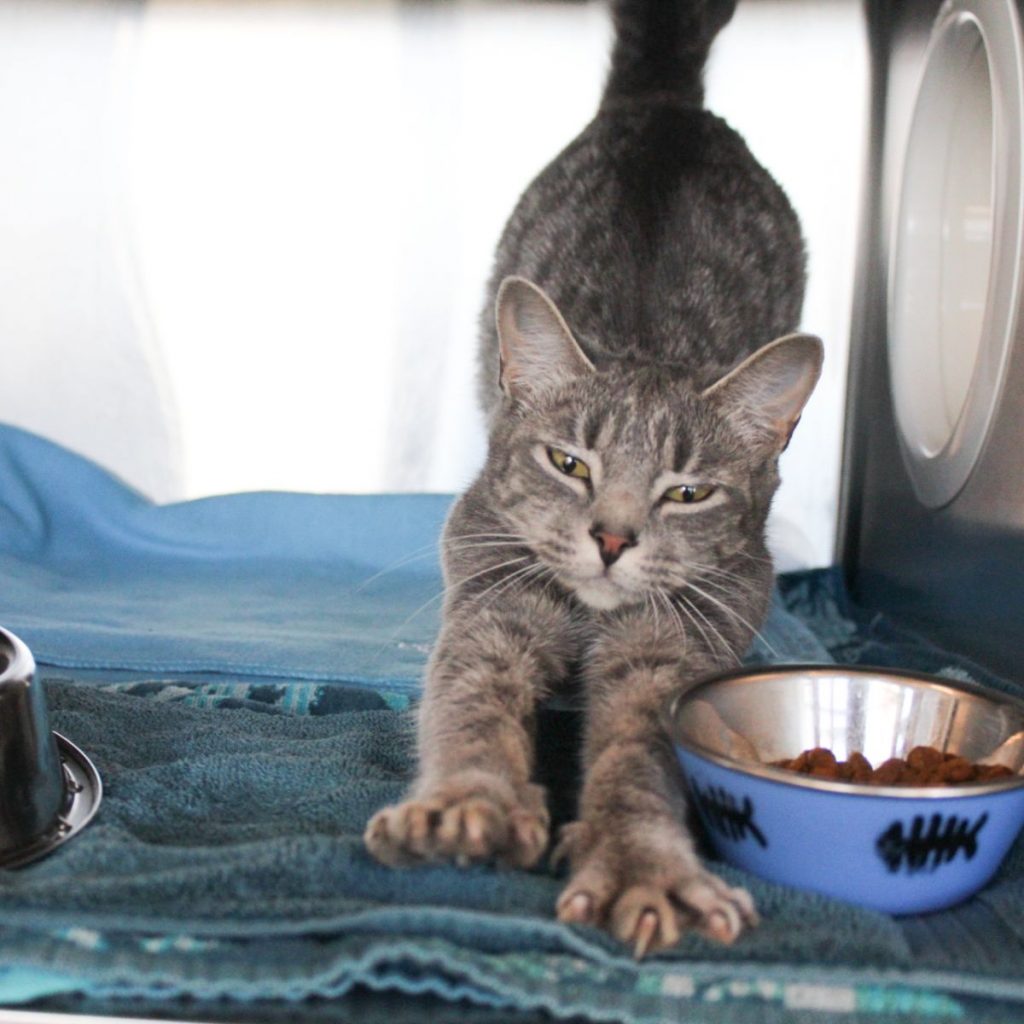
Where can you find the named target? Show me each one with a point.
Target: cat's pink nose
(611, 545)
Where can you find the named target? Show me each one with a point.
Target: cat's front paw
(468, 818)
(648, 895)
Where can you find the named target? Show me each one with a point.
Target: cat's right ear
(536, 349)
(766, 393)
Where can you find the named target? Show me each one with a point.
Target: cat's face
(626, 487)
(631, 484)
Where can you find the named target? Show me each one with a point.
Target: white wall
(243, 244)
(792, 77)
(78, 360)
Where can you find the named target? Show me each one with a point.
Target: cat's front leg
(474, 799)
(635, 870)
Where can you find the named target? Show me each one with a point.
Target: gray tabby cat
(614, 540)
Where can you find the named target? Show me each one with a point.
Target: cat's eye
(569, 464)
(689, 494)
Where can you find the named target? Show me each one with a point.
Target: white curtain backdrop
(243, 243)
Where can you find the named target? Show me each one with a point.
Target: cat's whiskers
(523, 579)
(462, 541)
(483, 546)
(723, 583)
(725, 588)
(441, 594)
(721, 577)
(420, 553)
(514, 541)
(761, 559)
(659, 598)
(650, 602)
(683, 609)
(653, 598)
(666, 599)
(461, 583)
(551, 548)
(489, 535)
(674, 581)
(725, 574)
(501, 584)
(483, 572)
(498, 539)
(515, 582)
(696, 616)
(396, 632)
(735, 614)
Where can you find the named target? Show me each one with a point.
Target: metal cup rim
(21, 664)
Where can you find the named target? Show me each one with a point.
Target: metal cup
(49, 790)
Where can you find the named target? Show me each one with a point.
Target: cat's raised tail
(661, 47)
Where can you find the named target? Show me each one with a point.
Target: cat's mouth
(602, 593)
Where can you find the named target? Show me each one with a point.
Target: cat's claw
(577, 909)
(648, 918)
(645, 918)
(721, 911)
(460, 824)
(648, 907)
(646, 930)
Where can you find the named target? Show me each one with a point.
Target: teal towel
(227, 862)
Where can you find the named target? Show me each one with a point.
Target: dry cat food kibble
(924, 766)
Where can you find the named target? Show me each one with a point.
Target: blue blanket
(246, 697)
(93, 576)
(300, 586)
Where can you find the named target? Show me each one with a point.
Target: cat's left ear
(768, 390)
(536, 348)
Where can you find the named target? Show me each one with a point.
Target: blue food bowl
(898, 849)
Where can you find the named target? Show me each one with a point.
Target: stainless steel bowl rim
(785, 777)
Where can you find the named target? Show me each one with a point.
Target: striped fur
(638, 283)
